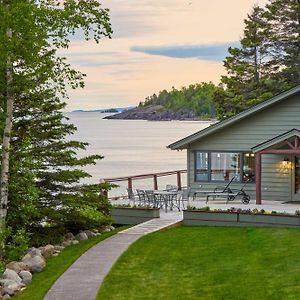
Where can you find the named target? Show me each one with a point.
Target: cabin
(260, 146)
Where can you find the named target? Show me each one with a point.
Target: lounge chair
(231, 195)
(218, 189)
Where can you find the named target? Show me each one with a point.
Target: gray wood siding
(247, 133)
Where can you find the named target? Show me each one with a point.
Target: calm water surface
(132, 147)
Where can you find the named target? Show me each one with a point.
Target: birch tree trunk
(4, 179)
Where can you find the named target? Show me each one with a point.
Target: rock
(26, 277)
(59, 248)
(12, 275)
(69, 236)
(34, 252)
(48, 251)
(6, 282)
(66, 243)
(81, 236)
(90, 233)
(6, 297)
(112, 227)
(17, 266)
(75, 242)
(35, 264)
(12, 288)
(107, 229)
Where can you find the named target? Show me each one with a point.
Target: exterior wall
(247, 133)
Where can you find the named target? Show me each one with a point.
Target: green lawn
(208, 263)
(56, 266)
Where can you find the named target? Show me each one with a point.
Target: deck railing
(154, 176)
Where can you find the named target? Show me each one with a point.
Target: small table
(167, 198)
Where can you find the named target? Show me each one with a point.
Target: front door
(296, 179)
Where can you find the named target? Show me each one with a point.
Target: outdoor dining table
(167, 197)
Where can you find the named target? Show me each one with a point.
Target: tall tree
(268, 60)
(249, 74)
(283, 17)
(31, 32)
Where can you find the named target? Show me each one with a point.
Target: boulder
(75, 242)
(90, 233)
(6, 282)
(35, 264)
(6, 297)
(69, 236)
(17, 266)
(81, 236)
(12, 288)
(26, 277)
(34, 252)
(112, 227)
(59, 248)
(12, 275)
(48, 251)
(66, 243)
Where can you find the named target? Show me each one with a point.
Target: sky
(156, 45)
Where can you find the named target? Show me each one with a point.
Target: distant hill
(105, 110)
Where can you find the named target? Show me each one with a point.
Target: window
(223, 166)
(248, 167)
(201, 166)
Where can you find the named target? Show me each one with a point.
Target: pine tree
(283, 17)
(249, 75)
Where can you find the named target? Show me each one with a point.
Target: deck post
(129, 183)
(179, 180)
(258, 177)
(155, 184)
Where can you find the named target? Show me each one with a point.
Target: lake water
(132, 147)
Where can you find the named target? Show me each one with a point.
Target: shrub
(43, 235)
(17, 244)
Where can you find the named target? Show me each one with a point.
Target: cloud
(211, 52)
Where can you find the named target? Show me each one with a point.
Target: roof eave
(183, 143)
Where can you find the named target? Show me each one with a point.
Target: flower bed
(133, 215)
(238, 217)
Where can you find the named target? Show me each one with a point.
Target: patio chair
(131, 196)
(183, 196)
(141, 197)
(171, 188)
(150, 198)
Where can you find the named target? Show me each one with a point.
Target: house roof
(183, 143)
(276, 140)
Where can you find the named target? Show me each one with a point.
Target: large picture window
(223, 166)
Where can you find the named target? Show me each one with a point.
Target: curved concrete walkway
(83, 279)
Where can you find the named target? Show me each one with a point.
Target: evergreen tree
(283, 17)
(266, 63)
(249, 76)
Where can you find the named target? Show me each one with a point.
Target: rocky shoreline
(155, 113)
